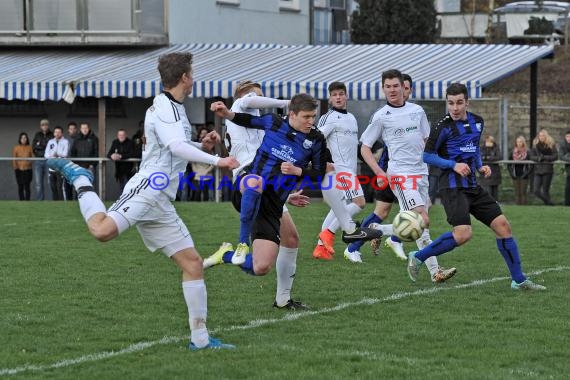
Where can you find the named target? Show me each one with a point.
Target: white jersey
(242, 143)
(156, 157)
(341, 131)
(403, 130)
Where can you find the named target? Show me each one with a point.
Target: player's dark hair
(303, 102)
(457, 89)
(407, 77)
(391, 74)
(58, 127)
(337, 86)
(172, 66)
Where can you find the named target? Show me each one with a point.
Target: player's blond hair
(244, 88)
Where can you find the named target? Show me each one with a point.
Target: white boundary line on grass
(259, 322)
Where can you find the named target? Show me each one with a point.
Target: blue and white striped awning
(282, 70)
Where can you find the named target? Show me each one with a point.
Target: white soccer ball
(408, 225)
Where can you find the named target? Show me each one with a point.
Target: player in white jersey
(146, 201)
(242, 143)
(341, 131)
(404, 129)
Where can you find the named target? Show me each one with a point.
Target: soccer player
(453, 146)
(242, 143)
(384, 199)
(403, 127)
(146, 201)
(341, 131)
(289, 145)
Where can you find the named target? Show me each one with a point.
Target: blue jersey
(457, 141)
(282, 143)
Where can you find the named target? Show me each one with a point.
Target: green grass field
(74, 308)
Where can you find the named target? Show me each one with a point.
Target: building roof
(282, 70)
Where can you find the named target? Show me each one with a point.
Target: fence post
(505, 127)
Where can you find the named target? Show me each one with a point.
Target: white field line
(260, 322)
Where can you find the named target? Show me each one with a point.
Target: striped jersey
(282, 143)
(457, 141)
(341, 131)
(165, 112)
(403, 130)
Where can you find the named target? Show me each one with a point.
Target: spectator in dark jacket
(520, 172)
(39, 147)
(72, 135)
(490, 155)
(86, 145)
(138, 143)
(544, 153)
(565, 156)
(121, 149)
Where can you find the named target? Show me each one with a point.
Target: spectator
(544, 153)
(72, 135)
(121, 149)
(204, 174)
(520, 172)
(39, 146)
(57, 147)
(565, 156)
(86, 145)
(490, 154)
(138, 144)
(23, 168)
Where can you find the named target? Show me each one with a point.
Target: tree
(394, 21)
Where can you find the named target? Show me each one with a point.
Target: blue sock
(249, 207)
(442, 244)
(227, 257)
(371, 218)
(510, 251)
(247, 267)
(395, 239)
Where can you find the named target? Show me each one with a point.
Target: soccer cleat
(292, 305)
(396, 247)
(320, 252)
(68, 169)
(217, 257)
(213, 344)
(526, 285)
(443, 274)
(361, 234)
(375, 246)
(240, 253)
(414, 266)
(327, 238)
(354, 257)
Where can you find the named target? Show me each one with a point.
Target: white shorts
(412, 192)
(154, 215)
(347, 183)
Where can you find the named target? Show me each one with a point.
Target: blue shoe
(68, 169)
(414, 266)
(213, 344)
(526, 285)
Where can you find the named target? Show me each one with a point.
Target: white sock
(352, 209)
(196, 299)
(333, 197)
(431, 262)
(81, 181)
(90, 204)
(387, 229)
(328, 220)
(286, 266)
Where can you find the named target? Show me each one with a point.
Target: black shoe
(361, 234)
(292, 305)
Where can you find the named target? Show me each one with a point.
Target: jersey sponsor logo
(469, 148)
(284, 152)
(307, 144)
(399, 132)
